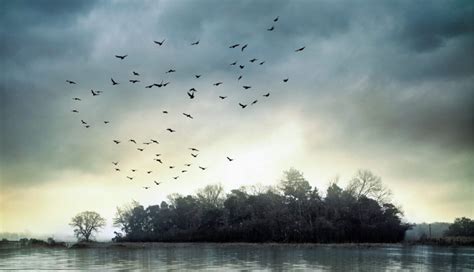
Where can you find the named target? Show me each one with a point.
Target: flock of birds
(191, 93)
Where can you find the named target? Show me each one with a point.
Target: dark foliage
(295, 212)
(462, 227)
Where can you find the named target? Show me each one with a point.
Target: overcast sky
(381, 85)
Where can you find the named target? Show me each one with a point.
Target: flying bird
(116, 141)
(261, 63)
(165, 84)
(147, 143)
(193, 149)
(133, 170)
(165, 112)
(246, 87)
(130, 178)
(276, 19)
(253, 60)
(159, 85)
(170, 130)
(171, 71)
(94, 93)
(71, 82)
(285, 80)
(191, 95)
(271, 28)
(222, 97)
(134, 80)
(146, 187)
(157, 183)
(106, 122)
(239, 78)
(149, 172)
(243, 47)
(87, 126)
(159, 43)
(176, 177)
(300, 49)
(241, 66)
(114, 163)
(132, 140)
(194, 155)
(267, 95)
(188, 115)
(135, 73)
(121, 57)
(242, 105)
(75, 111)
(114, 82)
(157, 155)
(76, 98)
(203, 168)
(140, 149)
(217, 83)
(197, 76)
(149, 86)
(83, 122)
(254, 102)
(192, 90)
(158, 160)
(171, 166)
(230, 159)
(184, 171)
(234, 45)
(195, 43)
(117, 169)
(154, 141)
(233, 63)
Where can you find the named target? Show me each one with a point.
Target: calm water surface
(215, 257)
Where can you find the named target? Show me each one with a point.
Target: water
(238, 257)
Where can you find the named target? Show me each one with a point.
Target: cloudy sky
(381, 85)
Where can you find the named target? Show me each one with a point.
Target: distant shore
(33, 243)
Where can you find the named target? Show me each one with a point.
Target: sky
(380, 85)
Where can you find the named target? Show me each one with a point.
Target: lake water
(237, 257)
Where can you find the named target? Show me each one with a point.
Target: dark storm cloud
(399, 47)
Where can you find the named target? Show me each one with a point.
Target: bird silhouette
(134, 80)
(267, 95)
(194, 149)
(146, 187)
(135, 73)
(133, 170)
(147, 143)
(75, 111)
(158, 160)
(140, 149)
(159, 85)
(83, 122)
(121, 57)
(132, 140)
(234, 45)
(241, 66)
(203, 168)
(230, 159)
(154, 141)
(71, 82)
(171, 166)
(276, 19)
(194, 155)
(285, 80)
(254, 102)
(197, 76)
(195, 43)
(149, 172)
(114, 163)
(165, 112)
(94, 93)
(187, 164)
(253, 60)
(116, 141)
(222, 97)
(188, 115)
(165, 84)
(117, 169)
(149, 86)
(184, 171)
(233, 63)
(246, 87)
(130, 178)
(157, 155)
(300, 49)
(243, 47)
(191, 95)
(87, 126)
(170, 130)
(239, 78)
(271, 28)
(176, 177)
(114, 82)
(156, 182)
(159, 43)
(217, 83)
(261, 63)
(192, 90)
(76, 98)
(242, 105)
(106, 122)
(171, 71)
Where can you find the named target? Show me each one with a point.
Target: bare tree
(212, 195)
(365, 183)
(123, 214)
(85, 224)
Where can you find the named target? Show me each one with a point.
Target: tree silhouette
(85, 224)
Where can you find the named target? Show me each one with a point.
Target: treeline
(291, 212)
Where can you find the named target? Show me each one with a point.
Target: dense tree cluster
(462, 227)
(291, 212)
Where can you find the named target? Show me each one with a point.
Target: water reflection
(236, 257)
